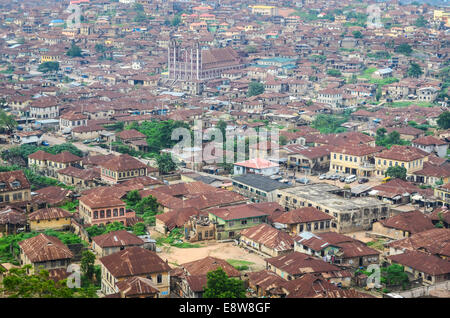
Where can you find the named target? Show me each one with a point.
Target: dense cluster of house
(200, 63)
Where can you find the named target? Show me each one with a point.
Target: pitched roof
(177, 217)
(9, 215)
(13, 180)
(103, 197)
(266, 280)
(302, 215)
(257, 163)
(117, 238)
(270, 237)
(42, 248)
(123, 162)
(130, 134)
(429, 264)
(236, 212)
(134, 261)
(297, 263)
(434, 241)
(413, 222)
(135, 286)
(49, 214)
(429, 141)
(207, 264)
(402, 153)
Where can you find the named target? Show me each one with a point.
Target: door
(199, 236)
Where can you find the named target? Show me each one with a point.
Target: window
(121, 211)
(243, 222)
(159, 279)
(102, 214)
(316, 225)
(108, 213)
(308, 227)
(95, 214)
(115, 212)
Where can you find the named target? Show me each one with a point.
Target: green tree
(19, 284)
(132, 198)
(139, 229)
(147, 204)
(47, 67)
(175, 21)
(414, 70)
(444, 120)
(421, 22)
(219, 285)
(74, 51)
(357, 34)
(394, 275)
(7, 121)
(396, 172)
(333, 72)
(255, 88)
(381, 132)
(404, 48)
(87, 264)
(250, 49)
(165, 163)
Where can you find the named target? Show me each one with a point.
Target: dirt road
(177, 256)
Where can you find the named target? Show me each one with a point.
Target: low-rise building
(44, 251)
(134, 262)
(49, 218)
(350, 214)
(14, 188)
(121, 168)
(112, 242)
(265, 239)
(403, 225)
(258, 188)
(229, 221)
(306, 219)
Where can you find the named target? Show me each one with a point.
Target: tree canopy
(414, 70)
(47, 67)
(74, 51)
(444, 120)
(19, 284)
(396, 172)
(219, 285)
(255, 88)
(165, 163)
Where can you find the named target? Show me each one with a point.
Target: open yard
(235, 255)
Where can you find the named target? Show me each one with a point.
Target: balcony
(367, 165)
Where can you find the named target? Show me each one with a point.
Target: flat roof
(260, 182)
(322, 194)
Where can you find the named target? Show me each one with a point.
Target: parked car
(342, 179)
(303, 180)
(322, 176)
(334, 177)
(350, 179)
(45, 143)
(363, 180)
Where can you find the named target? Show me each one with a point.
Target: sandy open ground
(177, 256)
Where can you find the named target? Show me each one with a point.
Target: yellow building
(354, 159)
(441, 15)
(264, 10)
(442, 194)
(139, 262)
(49, 218)
(407, 157)
(14, 187)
